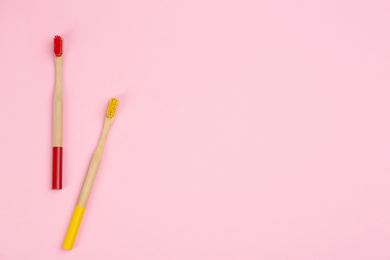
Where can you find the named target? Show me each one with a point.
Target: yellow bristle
(112, 107)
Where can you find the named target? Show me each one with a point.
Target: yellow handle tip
(73, 228)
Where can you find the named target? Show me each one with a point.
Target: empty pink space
(245, 130)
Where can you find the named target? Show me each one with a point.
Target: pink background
(245, 129)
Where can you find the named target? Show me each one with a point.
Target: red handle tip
(57, 168)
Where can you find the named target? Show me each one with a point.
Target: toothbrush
(57, 116)
(90, 178)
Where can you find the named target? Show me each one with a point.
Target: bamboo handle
(57, 104)
(87, 187)
(94, 165)
(57, 127)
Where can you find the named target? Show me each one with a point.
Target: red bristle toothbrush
(57, 116)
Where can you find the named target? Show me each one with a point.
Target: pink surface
(245, 129)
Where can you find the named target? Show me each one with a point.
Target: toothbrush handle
(87, 187)
(57, 127)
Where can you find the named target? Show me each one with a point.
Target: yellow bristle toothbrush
(90, 178)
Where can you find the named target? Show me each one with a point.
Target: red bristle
(58, 46)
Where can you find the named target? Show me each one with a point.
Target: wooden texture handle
(94, 165)
(57, 104)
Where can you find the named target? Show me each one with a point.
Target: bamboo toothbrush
(57, 116)
(90, 178)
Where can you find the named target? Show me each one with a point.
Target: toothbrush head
(112, 107)
(58, 46)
